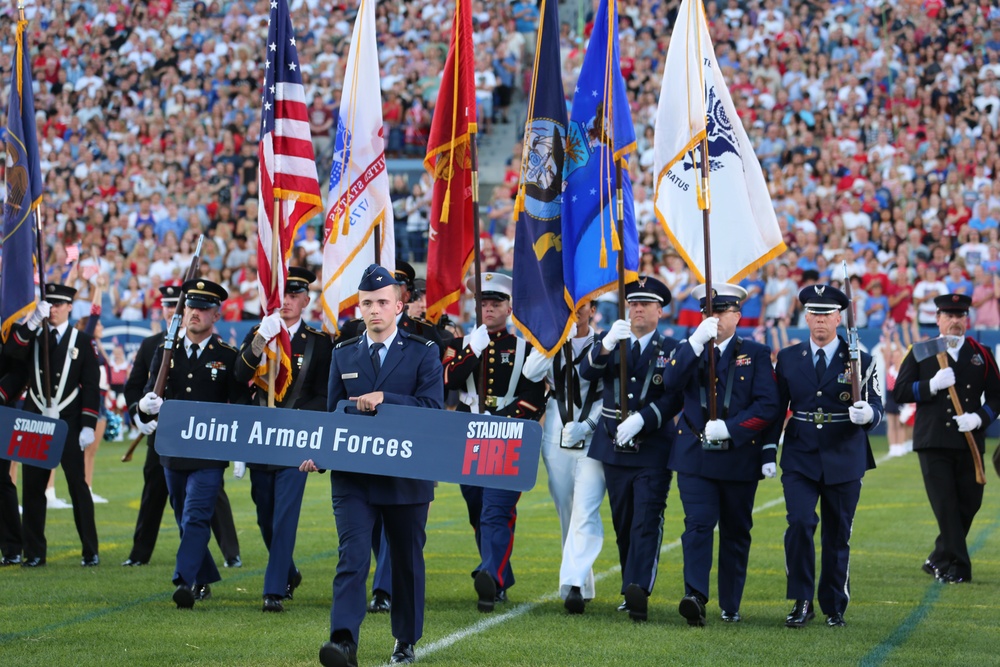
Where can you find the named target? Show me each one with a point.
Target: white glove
(943, 379)
(50, 412)
(573, 433)
(629, 428)
(146, 428)
(861, 413)
(479, 339)
(270, 326)
(716, 430)
(769, 470)
(572, 331)
(536, 366)
(150, 404)
(619, 331)
(86, 437)
(42, 309)
(970, 421)
(239, 469)
(706, 331)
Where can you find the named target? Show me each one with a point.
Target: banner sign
(33, 439)
(398, 441)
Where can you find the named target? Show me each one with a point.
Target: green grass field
(64, 614)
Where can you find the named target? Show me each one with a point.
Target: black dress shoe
(402, 654)
(10, 560)
(574, 601)
(184, 597)
(273, 603)
(293, 583)
(637, 601)
(381, 603)
(338, 654)
(802, 612)
(930, 568)
(202, 592)
(486, 589)
(33, 562)
(623, 606)
(836, 620)
(731, 617)
(132, 562)
(693, 609)
(90, 561)
(233, 562)
(952, 578)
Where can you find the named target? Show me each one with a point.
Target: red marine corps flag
(289, 188)
(448, 159)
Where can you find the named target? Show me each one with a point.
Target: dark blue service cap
(375, 278)
(203, 294)
(822, 299)
(57, 294)
(647, 289)
(953, 303)
(298, 280)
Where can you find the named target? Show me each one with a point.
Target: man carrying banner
(826, 453)
(941, 433)
(201, 370)
(719, 462)
(493, 512)
(277, 491)
(633, 443)
(576, 481)
(75, 397)
(385, 365)
(154, 484)
(13, 378)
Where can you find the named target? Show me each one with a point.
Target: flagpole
(705, 202)
(477, 264)
(272, 364)
(623, 343)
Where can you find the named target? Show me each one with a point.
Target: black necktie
(636, 354)
(53, 338)
(374, 350)
(820, 364)
(193, 351)
(718, 356)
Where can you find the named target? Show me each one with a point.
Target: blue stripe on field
(880, 654)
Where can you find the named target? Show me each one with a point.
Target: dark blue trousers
(382, 579)
(638, 497)
(405, 532)
(838, 503)
(728, 504)
(278, 497)
(193, 495)
(493, 515)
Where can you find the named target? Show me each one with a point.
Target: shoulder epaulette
(224, 344)
(345, 343)
(314, 330)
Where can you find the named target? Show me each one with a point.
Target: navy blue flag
(24, 194)
(542, 309)
(600, 131)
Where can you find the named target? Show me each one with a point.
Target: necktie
(718, 356)
(636, 354)
(820, 364)
(193, 352)
(53, 338)
(374, 350)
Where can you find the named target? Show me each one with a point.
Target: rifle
(170, 340)
(854, 352)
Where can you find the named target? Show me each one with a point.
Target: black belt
(819, 417)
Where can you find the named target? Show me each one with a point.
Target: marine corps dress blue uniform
(638, 477)
(199, 371)
(945, 460)
(408, 373)
(277, 490)
(493, 512)
(825, 454)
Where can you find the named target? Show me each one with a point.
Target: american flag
(289, 189)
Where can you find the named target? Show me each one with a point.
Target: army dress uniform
(198, 372)
(824, 457)
(13, 378)
(945, 460)
(638, 477)
(76, 396)
(717, 481)
(493, 512)
(153, 498)
(277, 490)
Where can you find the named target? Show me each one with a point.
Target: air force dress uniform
(945, 460)
(637, 474)
(198, 372)
(409, 373)
(824, 456)
(717, 480)
(277, 490)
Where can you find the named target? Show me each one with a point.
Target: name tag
(348, 376)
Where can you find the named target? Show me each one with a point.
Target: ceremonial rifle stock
(854, 352)
(170, 340)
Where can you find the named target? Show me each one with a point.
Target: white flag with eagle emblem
(695, 104)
